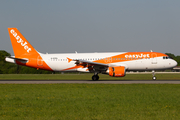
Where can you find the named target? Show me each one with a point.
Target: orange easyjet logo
(20, 40)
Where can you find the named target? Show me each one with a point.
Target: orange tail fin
(24, 52)
(21, 46)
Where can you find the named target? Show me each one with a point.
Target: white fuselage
(59, 62)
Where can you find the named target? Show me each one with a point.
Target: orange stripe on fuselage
(71, 68)
(35, 61)
(129, 56)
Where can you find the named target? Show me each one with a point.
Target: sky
(66, 26)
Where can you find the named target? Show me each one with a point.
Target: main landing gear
(153, 73)
(95, 77)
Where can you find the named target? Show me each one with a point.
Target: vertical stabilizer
(24, 52)
(21, 46)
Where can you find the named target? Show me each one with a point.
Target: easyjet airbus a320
(115, 64)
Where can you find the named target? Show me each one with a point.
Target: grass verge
(89, 101)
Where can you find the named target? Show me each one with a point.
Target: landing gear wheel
(153, 73)
(95, 77)
(154, 78)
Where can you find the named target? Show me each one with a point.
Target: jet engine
(117, 71)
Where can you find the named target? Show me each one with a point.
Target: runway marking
(89, 82)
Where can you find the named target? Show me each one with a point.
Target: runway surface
(90, 81)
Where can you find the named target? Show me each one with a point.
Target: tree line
(10, 68)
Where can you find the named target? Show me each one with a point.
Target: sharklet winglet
(69, 60)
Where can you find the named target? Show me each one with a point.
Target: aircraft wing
(94, 66)
(90, 63)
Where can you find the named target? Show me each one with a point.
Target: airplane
(114, 64)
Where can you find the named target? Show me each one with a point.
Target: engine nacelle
(117, 71)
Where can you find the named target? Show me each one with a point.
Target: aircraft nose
(174, 63)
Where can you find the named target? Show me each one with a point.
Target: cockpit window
(166, 57)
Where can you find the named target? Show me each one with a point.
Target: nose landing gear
(153, 73)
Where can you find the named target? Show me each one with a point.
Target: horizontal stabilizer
(12, 59)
